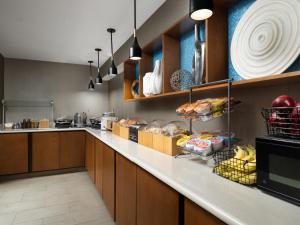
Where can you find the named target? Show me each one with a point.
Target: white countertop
(34, 130)
(229, 201)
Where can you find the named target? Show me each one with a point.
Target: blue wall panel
(137, 71)
(187, 46)
(157, 55)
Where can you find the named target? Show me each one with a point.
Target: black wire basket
(283, 121)
(241, 171)
(222, 109)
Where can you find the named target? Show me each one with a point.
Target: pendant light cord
(112, 47)
(91, 71)
(98, 63)
(134, 18)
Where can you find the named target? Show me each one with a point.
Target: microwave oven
(278, 167)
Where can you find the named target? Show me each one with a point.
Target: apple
(295, 130)
(273, 119)
(284, 105)
(295, 115)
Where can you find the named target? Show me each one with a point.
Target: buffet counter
(229, 201)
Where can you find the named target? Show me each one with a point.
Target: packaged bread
(191, 108)
(154, 127)
(203, 107)
(129, 122)
(182, 109)
(174, 128)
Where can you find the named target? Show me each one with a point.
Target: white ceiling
(67, 30)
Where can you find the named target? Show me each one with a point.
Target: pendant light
(112, 70)
(98, 78)
(201, 9)
(91, 84)
(135, 52)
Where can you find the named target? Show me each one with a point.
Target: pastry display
(205, 109)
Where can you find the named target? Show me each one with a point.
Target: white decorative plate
(267, 38)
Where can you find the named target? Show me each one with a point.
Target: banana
(240, 153)
(227, 174)
(248, 179)
(250, 166)
(236, 176)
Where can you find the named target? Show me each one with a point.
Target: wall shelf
(169, 43)
(284, 78)
(216, 58)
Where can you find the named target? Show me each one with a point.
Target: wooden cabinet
(125, 191)
(99, 166)
(45, 151)
(90, 156)
(13, 153)
(109, 159)
(157, 203)
(195, 215)
(72, 145)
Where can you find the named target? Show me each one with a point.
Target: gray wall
(1, 83)
(65, 84)
(247, 121)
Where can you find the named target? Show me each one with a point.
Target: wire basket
(241, 171)
(283, 121)
(222, 109)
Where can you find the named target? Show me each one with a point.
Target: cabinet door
(72, 146)
(90, 156)
(13, 153)
(125, 191)
(99, 166)
(109, 159)
(157, 203)
(45, 151)
(195, 215)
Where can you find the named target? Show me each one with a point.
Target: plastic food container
(203, 147)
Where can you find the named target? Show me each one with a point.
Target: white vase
(157, 78)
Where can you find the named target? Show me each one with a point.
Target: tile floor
(68, 199)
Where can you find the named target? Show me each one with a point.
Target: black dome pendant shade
(112, 69)
(98, 78)
(91, 84)
(201, 9)
(135, 52)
